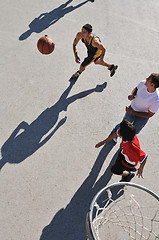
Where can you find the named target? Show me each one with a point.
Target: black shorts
(118, 167)
(89, 60)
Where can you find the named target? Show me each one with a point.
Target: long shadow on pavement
(47, 19)
(69, 223)
(19, 146)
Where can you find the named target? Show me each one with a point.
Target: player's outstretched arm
(111, 137)
(75, 42)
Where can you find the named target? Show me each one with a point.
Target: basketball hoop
(123, 211)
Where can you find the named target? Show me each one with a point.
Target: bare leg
(77, 74)
(102, 62)
(81, 69)
(125, 173)
(111, 67)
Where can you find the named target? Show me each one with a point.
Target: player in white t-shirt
(145, 102)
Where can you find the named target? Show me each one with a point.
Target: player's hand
(131, 97)
(129, 110)
(99, 144)
(77, 59)
(139, 173)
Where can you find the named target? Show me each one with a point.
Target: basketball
(45, 45)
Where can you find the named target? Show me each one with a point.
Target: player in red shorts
(130, 154)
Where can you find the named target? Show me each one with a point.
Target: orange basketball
(45, 45)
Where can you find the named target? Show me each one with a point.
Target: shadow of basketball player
(47, 19)
(69, 222)
(21, 145)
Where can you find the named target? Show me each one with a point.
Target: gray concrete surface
(51, 170)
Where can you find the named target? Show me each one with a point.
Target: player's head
(155, 79)
(86, 30)
(127, 131)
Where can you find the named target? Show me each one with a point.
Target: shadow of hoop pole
(69, 222)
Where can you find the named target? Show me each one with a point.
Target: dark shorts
(118, 167)
(88, 60)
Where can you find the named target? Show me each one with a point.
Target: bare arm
(139, 114)
(140, 170)
(75, 42)
(109, 138)
(133, 94)
(100, 46)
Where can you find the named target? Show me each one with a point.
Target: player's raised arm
(75, 42)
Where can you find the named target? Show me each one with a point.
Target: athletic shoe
(123, 179)
(112, 69)
(130, 176)
(76, 75)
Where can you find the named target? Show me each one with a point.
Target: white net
(125, 212)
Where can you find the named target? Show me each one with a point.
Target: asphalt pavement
(50, 168)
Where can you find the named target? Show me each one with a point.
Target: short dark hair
(88, 27)
(127, 131)
(155, 79)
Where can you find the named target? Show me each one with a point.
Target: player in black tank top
(95, 50)
(90, 48)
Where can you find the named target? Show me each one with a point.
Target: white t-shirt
(145, 100)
